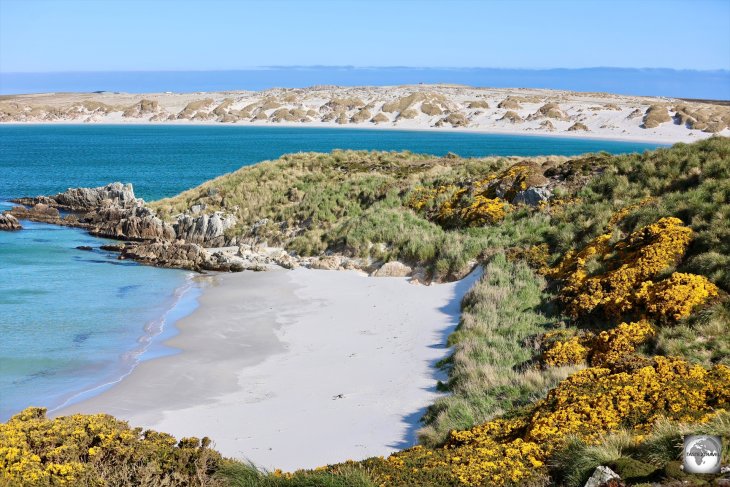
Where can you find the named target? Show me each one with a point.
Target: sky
(155, 35)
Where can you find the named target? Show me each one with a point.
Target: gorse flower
(624, 284)
(85, 449)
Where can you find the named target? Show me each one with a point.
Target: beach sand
(413, 107)
(296, 369)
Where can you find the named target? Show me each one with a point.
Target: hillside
(529, 111)
(598, 335)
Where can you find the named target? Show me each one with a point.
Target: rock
(393, 269)
(112, 247)
(9, 223)
(285, 260)
(136, 223)
(84, 247)
(169, 254)
(601, 475)
(532, 196)
(327, 262)
(419, 276)
(85, 199)
(40, 212)
(352, 265)
(208, 230)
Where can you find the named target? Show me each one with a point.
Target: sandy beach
(296, 369)
(438, 107)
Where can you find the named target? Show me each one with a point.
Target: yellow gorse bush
(606, 347)
(624, 283)
(514, 451)
(35, 450)
(452, 206)
(675, 297)
(477, 203)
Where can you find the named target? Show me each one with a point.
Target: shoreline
(148, 344)
(254, 372)
(151, 343)
(658, 139)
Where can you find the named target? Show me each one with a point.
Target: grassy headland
(598, 335)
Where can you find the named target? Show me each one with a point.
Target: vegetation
(655, 115)
(599, 333)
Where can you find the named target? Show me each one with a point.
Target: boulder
(85, 199)
(285, 260)
(419, 276)
(393, 269)
(136, 223)
(601, 475)
(39, 212)
(169, 254)
(327, 262)
(9, 223)
(532, 196)
(207, 230)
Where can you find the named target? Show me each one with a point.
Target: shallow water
(73, 321)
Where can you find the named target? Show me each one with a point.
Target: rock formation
(9, 223)
(113, 211)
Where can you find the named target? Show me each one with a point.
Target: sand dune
(438, 107)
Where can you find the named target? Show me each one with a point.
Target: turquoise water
(71, 321)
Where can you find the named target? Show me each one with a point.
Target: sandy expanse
(295, 369)
(411, 107)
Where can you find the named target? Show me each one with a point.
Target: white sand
(607, 116)
(297, 369)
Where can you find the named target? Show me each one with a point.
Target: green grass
(489, 371)
(348, 202)
(655, 458)
(238, 474)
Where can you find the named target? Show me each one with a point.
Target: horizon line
(353, 67)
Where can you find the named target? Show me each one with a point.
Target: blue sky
(110, 35)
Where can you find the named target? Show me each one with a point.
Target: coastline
(151, 343)
(666, 140)
(256, 374)
(130, 341)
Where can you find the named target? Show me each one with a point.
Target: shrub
(99, 450)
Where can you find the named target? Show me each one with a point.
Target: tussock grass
(630, 456)
(236, 474)
(351, 202)
(489, 371)
(512, 117)
(655, 115)
(578, 126)
(510, 103)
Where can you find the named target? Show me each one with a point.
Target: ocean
(73, 322)
(625, 81)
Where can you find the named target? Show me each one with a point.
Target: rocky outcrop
(9, 223)
(86, 199)
(207, 230)
(326, 263)
(532, 196)
(137, 223)
(113, 211)
(173, 253)
(39, 212)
